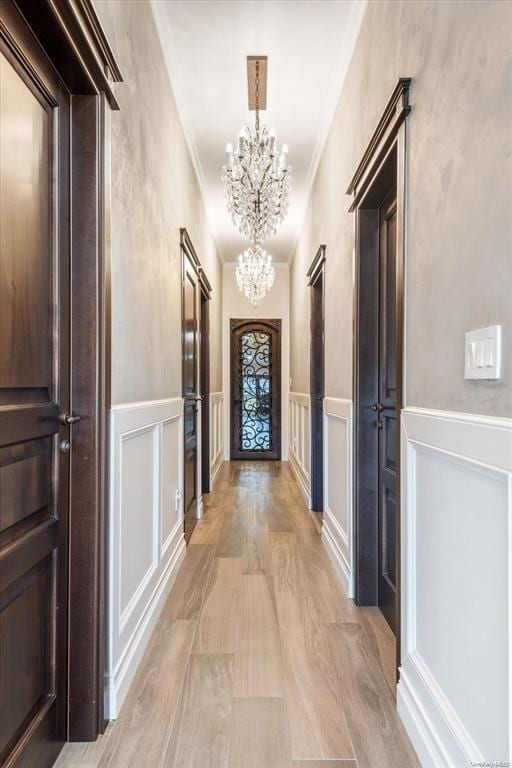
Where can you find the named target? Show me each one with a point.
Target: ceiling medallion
(257, 181)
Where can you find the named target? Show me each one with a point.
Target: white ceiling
(309, 44)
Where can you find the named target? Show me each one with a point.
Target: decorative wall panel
(146, 541)
(455, 693)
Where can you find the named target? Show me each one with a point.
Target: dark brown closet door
(387, 411)
(317, 391)
(190, 391)
(34, 398)
(255, 389)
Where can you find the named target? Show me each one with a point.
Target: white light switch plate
(482, 359)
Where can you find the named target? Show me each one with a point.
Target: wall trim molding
(394, 114)
(143, 560)
(338, 501)
(482, 447)
(300, 397)
(336, 554)
(120, 679)
(216, 435)
(299, 441)
(339, 407)
(152, 404)
(302, 481)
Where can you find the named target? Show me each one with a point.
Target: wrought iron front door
(255, 389)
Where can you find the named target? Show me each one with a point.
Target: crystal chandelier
(257, 179)
(255, 273)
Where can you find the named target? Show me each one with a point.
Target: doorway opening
(255, 389)
(196, 291)
(316, 276)
(378, 189)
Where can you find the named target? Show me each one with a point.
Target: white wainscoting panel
(146, 541)
(216, 434)
(337, 524)
(300, 441)
(455, 692)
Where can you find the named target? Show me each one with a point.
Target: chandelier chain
(257, 97)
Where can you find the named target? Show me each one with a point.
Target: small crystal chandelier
(255, 274)
(257, 179)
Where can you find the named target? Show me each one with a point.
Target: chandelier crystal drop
(255, 274)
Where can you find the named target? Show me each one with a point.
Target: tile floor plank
(376, 731)
(288, 570)
(187, 594)
(259, 737)
(318, 725)
(219, 621)
(201, 734)
(139, 738)
(258, 663)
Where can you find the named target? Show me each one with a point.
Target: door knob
(378, 407)
(65, 446)
(67, 418)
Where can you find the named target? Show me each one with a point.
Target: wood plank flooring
(258, 660)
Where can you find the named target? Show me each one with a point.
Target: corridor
(258, 660)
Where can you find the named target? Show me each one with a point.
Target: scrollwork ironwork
(255, 376)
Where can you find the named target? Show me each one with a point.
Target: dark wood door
(190, 332)
(34, 398)
(387, 411)
(317, 379)
(205, 391)
(255, 389)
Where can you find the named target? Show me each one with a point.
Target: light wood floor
(259, 660)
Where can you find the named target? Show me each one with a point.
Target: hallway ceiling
(309, 44)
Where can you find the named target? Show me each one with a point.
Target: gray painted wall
(459, 238)
(154, 193)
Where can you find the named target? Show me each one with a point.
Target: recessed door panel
(26, 289)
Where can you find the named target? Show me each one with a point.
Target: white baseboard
(302, 481)
(119, 682)
(337, 523)
(298, 450)
(331, 535)
(216, 435)
(215, 470)
(438, 736)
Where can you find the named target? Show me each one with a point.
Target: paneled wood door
(316, 275)
(35, 426)
(255, 389)
(378, 200)
(387, 410)
(190, 373)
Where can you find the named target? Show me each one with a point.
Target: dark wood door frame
(272, 327)
(70, 36)
(386, 151)
(316, 282)
(205, 288)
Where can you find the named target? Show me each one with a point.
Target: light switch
(483, 353)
